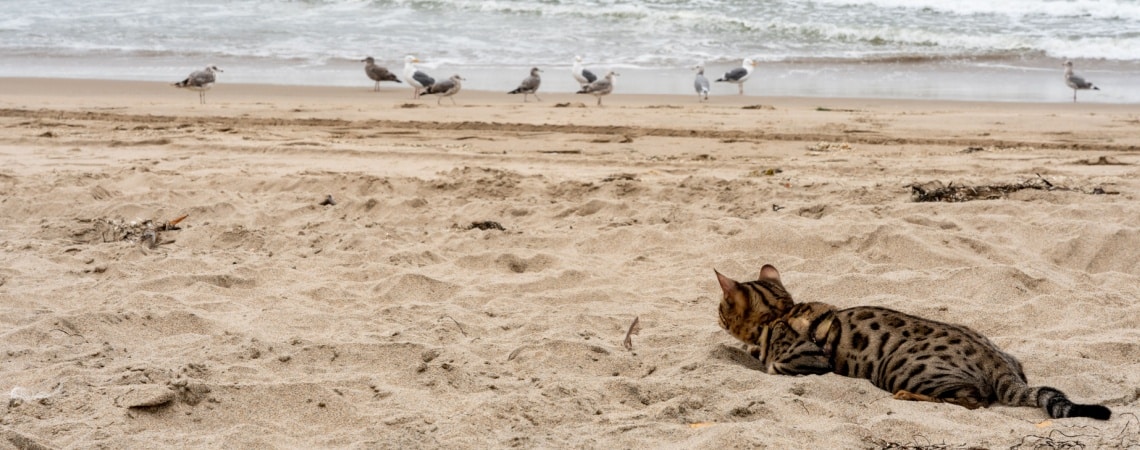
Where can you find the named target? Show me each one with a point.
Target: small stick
(634, 328)
(457, 324)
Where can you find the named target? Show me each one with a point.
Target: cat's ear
(728, 285)
(769, 273)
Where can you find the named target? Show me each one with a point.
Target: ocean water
(1008, 50)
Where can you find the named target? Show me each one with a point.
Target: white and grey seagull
(377, 73)
(581, 74)
(600, 87)
(446, 88)
(529, 85)
(417, 79)
(740, 74)
(1075, 81)
(700, 83)
(201, 81)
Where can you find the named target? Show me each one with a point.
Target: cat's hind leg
(913, 397)
(960, 398)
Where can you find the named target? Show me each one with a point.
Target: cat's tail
(1058, 406)
(1012, 390)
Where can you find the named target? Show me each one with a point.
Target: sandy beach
(472, 285)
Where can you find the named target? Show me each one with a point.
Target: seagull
(446, 88)
(581, 74)
(201, 81)
(701, 83)
(600, 87)
(1076, 81)
(529, 85)
(415, 77)
(377, 73)
(740, 74)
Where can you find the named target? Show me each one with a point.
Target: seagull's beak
(415, 60)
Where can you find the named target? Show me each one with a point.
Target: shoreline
(1033, 81)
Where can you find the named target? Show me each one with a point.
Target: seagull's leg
(452, 100)
(741, 85)
(536, 97)
(438, 100)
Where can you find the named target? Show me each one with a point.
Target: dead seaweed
(486, 225)
(936, 191)
(916, 445)
(1070, 437)
(620, 177)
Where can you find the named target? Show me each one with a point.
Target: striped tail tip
(1058, 406)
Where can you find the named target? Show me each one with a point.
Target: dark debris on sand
(935, 191)
(486, 225)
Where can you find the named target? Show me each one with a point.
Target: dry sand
(270, 321)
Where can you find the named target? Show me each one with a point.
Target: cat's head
(749, 306)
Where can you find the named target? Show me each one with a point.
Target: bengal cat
(912, 357)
